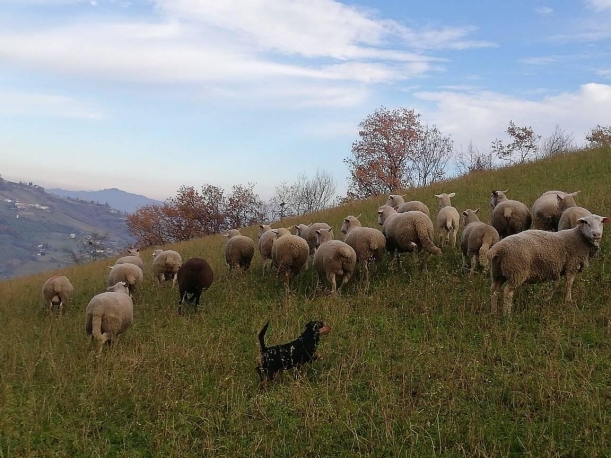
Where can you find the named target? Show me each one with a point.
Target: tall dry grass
(414, 366)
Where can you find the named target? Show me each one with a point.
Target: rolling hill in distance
(116, 198)
(40, 231)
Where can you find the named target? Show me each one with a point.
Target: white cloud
(605, 73)
(312, 28)
(22, 103)
(484, 116)
(544, 10)
(599, 5)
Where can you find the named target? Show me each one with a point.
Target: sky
(150, 95)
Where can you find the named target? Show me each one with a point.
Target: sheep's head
(119, 287)
(349, 223)
(444, 199)
(383, 213)
(497, 196)
(323, 235)
(591, 227)
(469, 216)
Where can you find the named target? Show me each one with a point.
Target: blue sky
(147, 96)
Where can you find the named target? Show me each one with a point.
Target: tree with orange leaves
(395, 151)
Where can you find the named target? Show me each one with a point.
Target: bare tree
(557, 143)
(306, 195)
(432, 153)
(473, 160)
(313, 194)
(244, 207)
(522, 148)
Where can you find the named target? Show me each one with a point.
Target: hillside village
(40, 231)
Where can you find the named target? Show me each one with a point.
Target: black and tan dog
(293, 354)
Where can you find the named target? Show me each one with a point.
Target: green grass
(415, 366)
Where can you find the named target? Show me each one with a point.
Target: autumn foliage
(395, 151)
(194, 214)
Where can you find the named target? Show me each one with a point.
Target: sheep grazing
(109, 314)
(289, 254)
(333, 258)
(56, 291)
(266, 241)
(570, 212)
(407, 232)
(448, 220)
(308, 232)
(476, 240)
(165, 265)
(396, 201)
(194, 276)
(130, 273)
(133, 257)
(367, 242)
(239, 250)
(537, 255)
(545, 211)
(508, 216)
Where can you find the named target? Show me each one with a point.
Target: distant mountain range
(121, 200)
(40, 231)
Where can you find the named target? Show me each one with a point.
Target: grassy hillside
(415, 366)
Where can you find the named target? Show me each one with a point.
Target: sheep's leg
(454, 232)
(174, 279)
(345, 279)
(495, 290)
(473, 264)
(507, 299)
(331, 279)
(570, 278)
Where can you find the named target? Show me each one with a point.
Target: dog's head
(317, 328)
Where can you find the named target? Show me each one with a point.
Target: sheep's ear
(318, 231)
(559, 197)
(226, 235)
(452, 194)
(465, 213)
(476, 210)
(438, 195)
(505, 191)
(330, 229)
(359, 216)
(296, 227)
(606, 220)
(574, 193)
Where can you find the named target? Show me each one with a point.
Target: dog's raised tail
(262, 337)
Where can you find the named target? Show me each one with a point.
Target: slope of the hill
(124, 201)
(414, 366)
(37, 229)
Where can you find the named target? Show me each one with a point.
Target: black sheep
(194, 276)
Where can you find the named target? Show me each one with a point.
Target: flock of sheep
(564, 238)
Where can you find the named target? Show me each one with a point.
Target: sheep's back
(195, 273)
(569, 217)
(290, 250)
(116, 310)
(366, 241)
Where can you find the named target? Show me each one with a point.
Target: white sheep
(239, 250)
(132, 257)
(308, 233)
(165, 265)
(289, 254)
(109, 314)
(545, 211)
(569, 211)
(407, 232)
(368, 243)
(508, 216)
(477, 238)
(130, 273)
(56, 291)
(448, 220)
(333, 258)
(266, 241)
(537, 255)
(396, 201)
